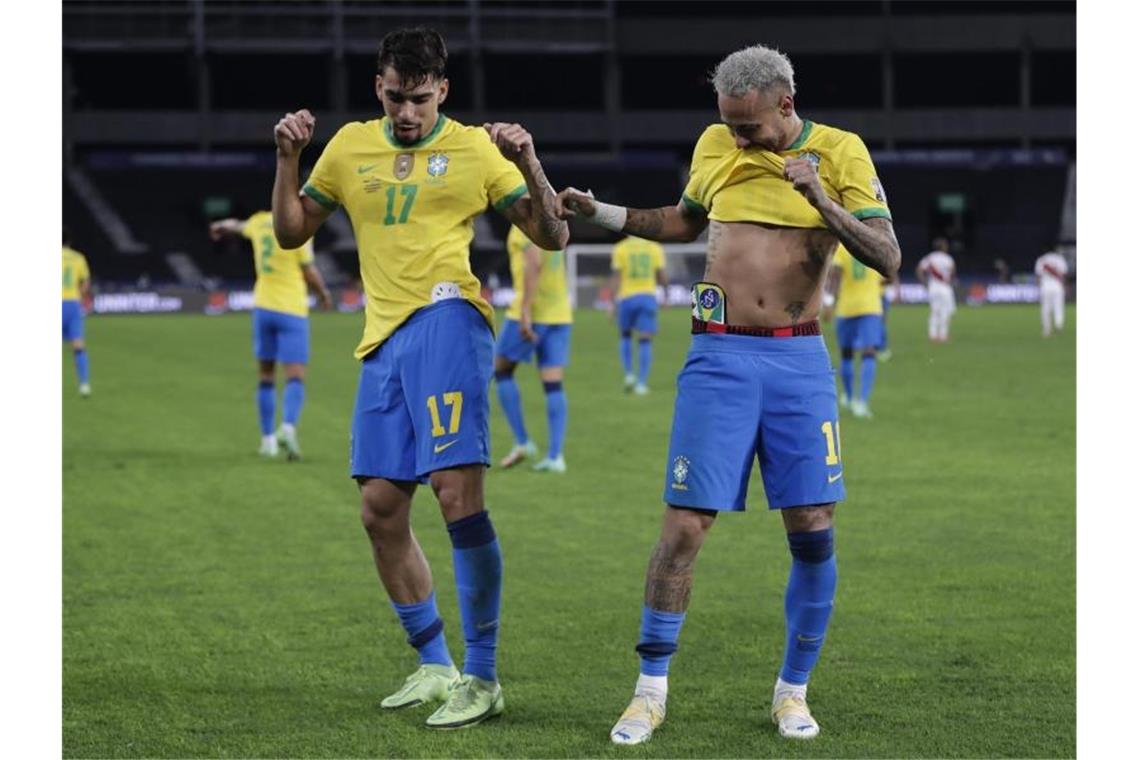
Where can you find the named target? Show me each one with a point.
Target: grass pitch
(220, 605)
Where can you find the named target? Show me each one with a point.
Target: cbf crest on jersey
(437, 164)
(810, 156)
(404, 164)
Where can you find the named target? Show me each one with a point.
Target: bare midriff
(771, 276)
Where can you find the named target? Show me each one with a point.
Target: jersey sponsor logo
(877, 189)
(403, 165)
(437, 164)
(366, 168)
(680, 473)
(441, 446)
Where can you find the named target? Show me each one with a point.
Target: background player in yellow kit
(280, 324)
(856, 292)
(76, 287)
(638, 268)
(412, 184)
(538, 322)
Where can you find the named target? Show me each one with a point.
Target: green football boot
(472, 700)
(430, 683)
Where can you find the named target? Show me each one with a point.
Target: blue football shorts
(860, 332)
(639, 313)
(422, 403)
(280, 337)
(72, 321)
(742, 398)
(552, 349)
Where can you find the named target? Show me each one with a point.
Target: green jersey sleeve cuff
(693, 206)
(508, 200)
(871, 213)
(326, 202)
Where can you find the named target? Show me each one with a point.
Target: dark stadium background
(168, 109)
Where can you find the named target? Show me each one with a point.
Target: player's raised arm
(295, 217)
(535, 213)
(668, 224)
(223, 227)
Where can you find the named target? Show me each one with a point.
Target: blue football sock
(644, 358)
(658, 640)
(867, 367)
(81, 368)
(292, 399)
(479, 581)
(808, 602)
(425, 630)
(266, 405)
(626, 350)
(512, 405)
(555, 415)
(847, 372)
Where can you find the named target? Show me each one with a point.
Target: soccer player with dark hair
(280, 324)
(777, 193)
(76, 287)
(412, 183)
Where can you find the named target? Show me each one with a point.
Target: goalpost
(588, 273)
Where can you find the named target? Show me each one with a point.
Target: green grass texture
(217, 604)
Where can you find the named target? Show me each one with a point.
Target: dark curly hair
(416, 54)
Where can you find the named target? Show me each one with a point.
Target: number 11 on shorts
(454, 399)
(831, 433)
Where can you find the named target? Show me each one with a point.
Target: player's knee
(379, 514)
(869, 353)
(455, 500)
(685, 530)
(807, 519)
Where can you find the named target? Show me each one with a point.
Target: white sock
(796, 688)
(658, 685)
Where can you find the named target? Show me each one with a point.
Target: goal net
(588, 273)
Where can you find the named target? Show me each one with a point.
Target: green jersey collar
(804, 132)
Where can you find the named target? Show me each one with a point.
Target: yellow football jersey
(731, 184)
(75, 271)
(638, 261)
(551, 303)
(280, 284)
(413, 210)
(859, 291)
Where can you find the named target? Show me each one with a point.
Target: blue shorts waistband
(748, 344)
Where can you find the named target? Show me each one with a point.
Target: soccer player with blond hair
(778, 193)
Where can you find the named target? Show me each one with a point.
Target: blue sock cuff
(627, 334)
(644, 341)
(552, 386)
(815, 546)
(420, 638)
(79, 351)
(296, 380)
(656, 648)
(265, 384)
(501, 376)
(471, 532)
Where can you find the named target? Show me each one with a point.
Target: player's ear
(444, 85)
(787, 104)
(380, 88)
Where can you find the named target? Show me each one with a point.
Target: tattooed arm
(536, 212)
(872, 241)
(668, 224)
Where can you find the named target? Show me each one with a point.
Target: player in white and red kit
(936, 271)
(1051, 270)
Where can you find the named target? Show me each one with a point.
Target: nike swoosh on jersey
(366, 169)
(835, 477)
(441, 446)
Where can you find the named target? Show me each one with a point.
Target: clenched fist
(514, 142)
(804, 177)
(293, 133)
(571, 202)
